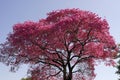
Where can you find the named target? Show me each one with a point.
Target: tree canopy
(63, 46)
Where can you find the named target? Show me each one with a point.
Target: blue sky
(15, 11)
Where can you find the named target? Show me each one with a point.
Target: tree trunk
(67, 76)
(64, 74)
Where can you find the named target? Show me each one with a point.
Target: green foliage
(26, 78)
(118, 63)
(118, 69)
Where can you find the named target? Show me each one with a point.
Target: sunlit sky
(15, 11)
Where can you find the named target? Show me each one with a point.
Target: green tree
(118, 68)
(26, 78)
(118, 63)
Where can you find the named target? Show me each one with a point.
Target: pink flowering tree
(63, 46)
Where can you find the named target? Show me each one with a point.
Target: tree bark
(67, 76)
(64, 74)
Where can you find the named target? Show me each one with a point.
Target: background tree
(26, 78)
(64, 46)
(118, 63)
(118, 68)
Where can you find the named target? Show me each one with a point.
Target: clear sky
(15, 11)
